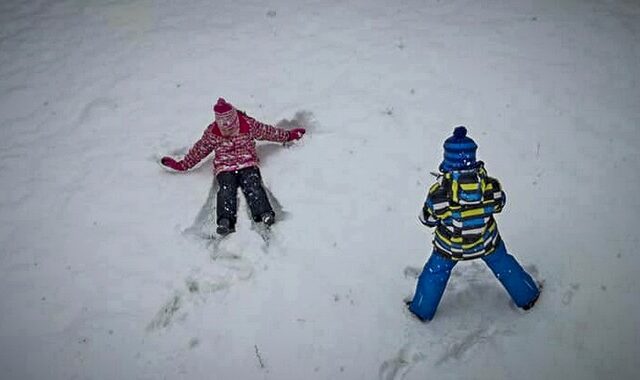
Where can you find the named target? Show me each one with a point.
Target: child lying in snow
(461, 206)
(232, 136)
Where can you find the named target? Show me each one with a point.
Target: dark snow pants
(250, 181)
(436, 272)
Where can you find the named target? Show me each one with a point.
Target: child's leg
(431, 285)
(251, 185)
(520, 286)
(227, 198)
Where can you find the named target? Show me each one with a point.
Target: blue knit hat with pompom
(459, 152)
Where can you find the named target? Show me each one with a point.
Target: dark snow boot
(225, 227)
(268, 218)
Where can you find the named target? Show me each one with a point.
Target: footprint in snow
(412, 272)
(397, 367)
(567, 297)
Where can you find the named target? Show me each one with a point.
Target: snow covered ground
(104, 271)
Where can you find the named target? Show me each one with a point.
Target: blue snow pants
(436, 272)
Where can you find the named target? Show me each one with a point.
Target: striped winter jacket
(233, 152)
(461, 207)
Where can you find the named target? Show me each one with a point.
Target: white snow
(103, 277)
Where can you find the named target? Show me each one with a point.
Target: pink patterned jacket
(233, 152)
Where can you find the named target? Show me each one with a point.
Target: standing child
(460, 205)
(232, 136)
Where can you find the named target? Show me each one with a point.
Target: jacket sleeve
(436, 206)
(427, 218)
(262, 131)
(494, 192)
(200, 150)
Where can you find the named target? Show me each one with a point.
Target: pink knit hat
(226, 117)
(221, 108)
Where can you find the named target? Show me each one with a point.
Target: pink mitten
(296, 134)
(172, 164)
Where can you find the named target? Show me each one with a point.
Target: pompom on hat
(459, 152)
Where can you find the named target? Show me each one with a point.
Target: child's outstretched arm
(262, 131)
(199, 151)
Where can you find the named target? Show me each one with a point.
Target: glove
(172, 164)
(296, 134)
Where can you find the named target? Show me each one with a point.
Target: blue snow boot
(517, 282)
(431, 284)
(532, 303)
(414, 315)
